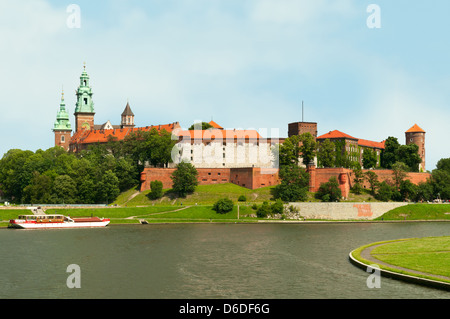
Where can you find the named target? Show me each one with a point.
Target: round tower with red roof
(415, 135)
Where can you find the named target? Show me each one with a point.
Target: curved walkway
(366, 254)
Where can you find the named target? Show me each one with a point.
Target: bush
(156, 190)
(242, 198)
(330, 191)
(277, 207)
(254, 206)
(264, 210)
(223, 206)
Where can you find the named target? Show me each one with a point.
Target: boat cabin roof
(41, 216)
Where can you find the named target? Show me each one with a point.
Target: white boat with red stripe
(45, 221)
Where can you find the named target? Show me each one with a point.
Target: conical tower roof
(127, 111)
(415, 129)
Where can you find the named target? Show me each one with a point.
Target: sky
(245, 64)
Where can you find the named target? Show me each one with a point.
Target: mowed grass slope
(204, 195)
(418, 212)
(429, 255)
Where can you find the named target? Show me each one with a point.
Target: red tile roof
(415, 129)
(101, 136)
(335, 134)
(215, 125)
(371, 144)
(338, 134)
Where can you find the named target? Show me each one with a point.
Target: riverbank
(244, 213)
(417, 260)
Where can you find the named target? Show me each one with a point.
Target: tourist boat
(56, 221)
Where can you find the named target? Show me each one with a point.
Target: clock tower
(84, 109)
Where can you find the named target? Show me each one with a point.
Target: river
(189, 261)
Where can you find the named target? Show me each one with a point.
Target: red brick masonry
(255, 177)
(251, 177)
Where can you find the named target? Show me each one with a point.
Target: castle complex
(242, 157)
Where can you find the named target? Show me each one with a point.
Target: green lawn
(203, 195)
(418, 212)
(429, 255)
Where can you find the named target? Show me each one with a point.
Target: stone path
(170, 211)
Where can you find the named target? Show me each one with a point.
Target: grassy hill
(203, 195)
(419, 212)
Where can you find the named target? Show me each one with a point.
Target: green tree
(307, 147)
(329, 191)
(289, 151)
(372, 178)
(65, 189)
(369, 158)
(184, 179)
(156, 189)
(385, 192)
(399, 171)
(39, 190)
(389, 155)
(201, 126)
(358, 181)
(264, 210)
(409, 154)
(408, 190)
(108, 188)
(294, 184)
(13, 176)
(326, 154)
(223, 206)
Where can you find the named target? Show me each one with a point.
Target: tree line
(95, 175)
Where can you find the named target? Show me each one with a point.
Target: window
(62, 139)
(85, 101)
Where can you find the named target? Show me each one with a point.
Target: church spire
(62, 127)
(127, 117)
(62, 117)
(84, 110)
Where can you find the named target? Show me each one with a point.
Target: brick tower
(62, 127)
(415, 135)
(84, 110)
(298, 128)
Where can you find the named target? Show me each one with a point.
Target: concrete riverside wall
(344, 211)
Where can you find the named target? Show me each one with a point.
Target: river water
(190, 261)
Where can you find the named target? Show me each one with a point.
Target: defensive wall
(344, 211)
(249, 177)
(256, 177)
(346, 177)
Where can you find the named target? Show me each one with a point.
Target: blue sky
(244, 63)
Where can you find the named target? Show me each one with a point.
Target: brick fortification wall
(252, 177)
(346, 176)
(255, 177)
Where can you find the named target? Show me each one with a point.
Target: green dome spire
(62, 117)
(84, 95)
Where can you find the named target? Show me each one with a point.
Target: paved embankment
(343, 211)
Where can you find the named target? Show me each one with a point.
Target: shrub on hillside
(242, 198)
(156, 190)
(223, 206)
(329, 191)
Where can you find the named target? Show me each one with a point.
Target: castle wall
(250, 177)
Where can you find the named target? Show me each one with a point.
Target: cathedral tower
(62, 127)
(84, 110)
(415, 135)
